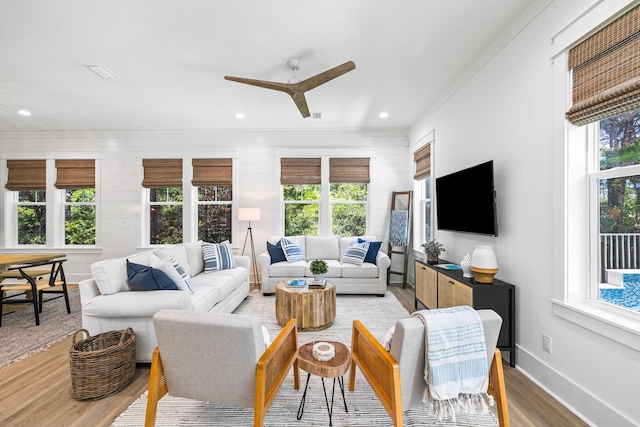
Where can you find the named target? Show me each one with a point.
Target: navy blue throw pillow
(144, 278)
(372, 253)
(276, 252)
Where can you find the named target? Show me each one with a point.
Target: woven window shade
(75, 173)
(212, 172)
(354, 170)
(299, 171)
(422, 159)
(26, 175)
(162, 173)
(606, 71)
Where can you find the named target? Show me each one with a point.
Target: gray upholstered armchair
(397, 375)
(219, 358)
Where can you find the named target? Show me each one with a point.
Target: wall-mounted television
(466, 201)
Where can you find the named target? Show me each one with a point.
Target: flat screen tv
(466, 202)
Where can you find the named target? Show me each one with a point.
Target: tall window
(617, 179)
(422, 177)
(163, 181)
(605, 71)
(77, 179)
(28, 180)
(213, 179)
(348, 180)
(300, 179)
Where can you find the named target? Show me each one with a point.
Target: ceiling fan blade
(282, 87)
(318, 79)
(301, 103)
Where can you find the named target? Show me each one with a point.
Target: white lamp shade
(249, 214)
(484, 257)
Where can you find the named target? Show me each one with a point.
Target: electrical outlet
(546, 343)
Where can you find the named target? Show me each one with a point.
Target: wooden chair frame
(382, 372)
(36, 285)
(271, 371)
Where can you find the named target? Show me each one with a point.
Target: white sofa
(108, 305)
(367, 278)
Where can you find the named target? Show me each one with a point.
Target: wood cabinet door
(426, 285)
(462, 294)
(445, 291)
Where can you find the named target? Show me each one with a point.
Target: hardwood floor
(37, 392)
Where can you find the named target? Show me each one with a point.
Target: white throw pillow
(175, 272)
(355, 253)
(178, 252)
(111, 274)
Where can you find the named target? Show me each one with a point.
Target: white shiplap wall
(257, 169)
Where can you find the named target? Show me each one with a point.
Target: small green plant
(318, 266)
(433, 248)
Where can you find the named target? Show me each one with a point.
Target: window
(336, 202)
(28, 179)
(77, 179)
(348, 191)
(163, 181)
(616, 205)
(422, 179)
(300, 179)
(213, 180)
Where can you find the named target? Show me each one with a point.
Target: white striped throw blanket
(456, 368)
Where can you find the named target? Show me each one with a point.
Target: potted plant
(433, 249)
(318, 268)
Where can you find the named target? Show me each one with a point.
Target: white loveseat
(107, 303)
(368, 278)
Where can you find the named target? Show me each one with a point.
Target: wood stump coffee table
(314, 309)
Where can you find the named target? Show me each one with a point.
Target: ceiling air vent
(102, 71)
(316, 115)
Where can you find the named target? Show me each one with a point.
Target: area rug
(364, 408)
(20, 337)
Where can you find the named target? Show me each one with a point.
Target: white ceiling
(171, 56)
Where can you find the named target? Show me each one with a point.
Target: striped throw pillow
(185, 281)
(355, 253)
(217, 256)
(292, 250)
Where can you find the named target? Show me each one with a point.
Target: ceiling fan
(295, 87)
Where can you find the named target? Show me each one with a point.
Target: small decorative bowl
(323, 351)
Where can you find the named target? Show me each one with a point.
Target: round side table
(314, 309)
(334, 368)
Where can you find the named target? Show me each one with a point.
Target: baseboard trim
(584, 405)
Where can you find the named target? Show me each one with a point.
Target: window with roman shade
(300, 171)
(27, 175)
(79, 173)
(163, 179)
(214, 181)
(422, 160)
(349, 170)
(605, 71)
(162, 173)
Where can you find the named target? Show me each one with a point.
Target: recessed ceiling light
(24, 112)
(239, 116)
(383, 115)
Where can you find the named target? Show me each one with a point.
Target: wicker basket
(103, 364)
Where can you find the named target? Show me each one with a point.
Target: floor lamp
(251, 214)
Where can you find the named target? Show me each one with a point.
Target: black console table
(437, 288)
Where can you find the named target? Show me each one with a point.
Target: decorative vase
(465, 264)
(318, 277)
(484, 263)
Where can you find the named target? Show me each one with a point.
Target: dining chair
(34, 282)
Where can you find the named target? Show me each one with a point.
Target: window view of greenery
(619, 199)
(80, 216)
(32, 217)
(214, 213)
(165, 216)
(348, 209)
(301, 209)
